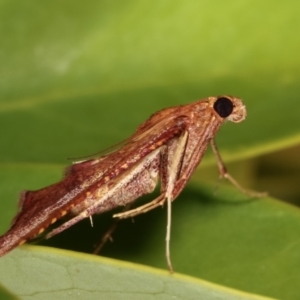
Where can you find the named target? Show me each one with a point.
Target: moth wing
(90, 160)
(43, 207)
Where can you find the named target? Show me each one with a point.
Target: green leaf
(5, 295)
(76, 275)
(76, 78)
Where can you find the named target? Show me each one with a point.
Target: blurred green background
(78, 77)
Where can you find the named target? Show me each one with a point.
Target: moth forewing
(45, 206)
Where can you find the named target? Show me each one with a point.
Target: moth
(166, 147)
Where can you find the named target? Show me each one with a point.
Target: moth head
(230, 108)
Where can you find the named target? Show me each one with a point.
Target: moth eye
(223, 106)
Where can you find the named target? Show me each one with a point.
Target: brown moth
(167, 147)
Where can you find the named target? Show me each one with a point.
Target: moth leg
(68, 224)
(159, 201)
(91, 221)
(224, 174)
(173, 172)
(108, 234)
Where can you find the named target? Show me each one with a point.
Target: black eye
(223, 106)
